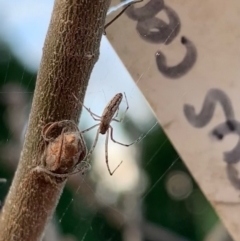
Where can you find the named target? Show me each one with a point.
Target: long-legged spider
(105, 127)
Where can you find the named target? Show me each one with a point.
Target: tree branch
(70, 51)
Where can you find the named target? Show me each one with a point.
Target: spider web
(151, 195)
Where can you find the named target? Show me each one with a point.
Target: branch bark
(70, 51)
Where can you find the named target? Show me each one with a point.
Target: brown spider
(105, 127)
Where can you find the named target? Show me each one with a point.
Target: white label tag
(185, 57)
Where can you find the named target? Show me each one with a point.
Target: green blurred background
(183, 215)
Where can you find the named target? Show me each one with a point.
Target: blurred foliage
(11, 71)
(158, 206)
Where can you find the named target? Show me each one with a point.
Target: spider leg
(47, 128)
(82, 167)
(90, 128)
(137, 140)
(106, 155)
(116, 113)
(86, 166)
(91, 113)
(88, 110)
(45, 131)
(124, 114)
(93, 147)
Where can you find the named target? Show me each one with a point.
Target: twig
(70, 51)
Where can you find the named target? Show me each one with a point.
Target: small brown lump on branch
(65, 147)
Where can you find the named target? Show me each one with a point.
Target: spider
(105, 127)
(63, 152)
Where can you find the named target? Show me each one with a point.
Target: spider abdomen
(109, 112)
(103, 128)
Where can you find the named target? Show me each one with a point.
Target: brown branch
(70, 51)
